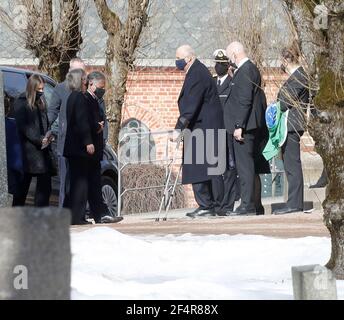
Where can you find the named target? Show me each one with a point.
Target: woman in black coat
(30, 112)
(294, 98)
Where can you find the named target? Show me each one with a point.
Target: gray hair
(95, 76)
(186, 51)
(75, 79)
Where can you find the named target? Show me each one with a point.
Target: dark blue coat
(15, 166)
(200, 108)
(13, 147)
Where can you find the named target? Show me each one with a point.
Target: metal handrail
(166, 159)
(121, 165)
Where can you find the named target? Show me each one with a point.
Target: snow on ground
(111, 265)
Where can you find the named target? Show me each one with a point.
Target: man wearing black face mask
(228, 185)
(222, 74)
(200, 114)
(244, 115)
(84, 149)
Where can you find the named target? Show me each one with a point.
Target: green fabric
(277, 134)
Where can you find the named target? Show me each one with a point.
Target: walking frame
(169, 187)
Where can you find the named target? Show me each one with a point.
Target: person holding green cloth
(276, 121)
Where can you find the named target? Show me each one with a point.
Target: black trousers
(293, 169)
(227, 186)
(42, 193)
(85, 185)
(209, 194)
(244, 159)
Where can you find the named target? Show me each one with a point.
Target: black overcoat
(294, 95)
(83, 117)
(32, 125)
(200, 108)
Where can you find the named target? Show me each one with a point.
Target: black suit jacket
(200, 108)
(294, 95)
(246, 102)
(224, 89)
(83, 117)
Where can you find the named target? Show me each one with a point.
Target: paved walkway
(286, 226)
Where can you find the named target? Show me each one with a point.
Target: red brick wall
(152, 95)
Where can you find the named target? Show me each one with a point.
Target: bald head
(77, 63)
(236, 52)
(185, 51)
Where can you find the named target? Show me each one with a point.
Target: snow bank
(110, 265)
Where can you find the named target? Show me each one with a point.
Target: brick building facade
(151, 99)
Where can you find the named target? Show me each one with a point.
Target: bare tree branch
(123, 41)
(53, 34)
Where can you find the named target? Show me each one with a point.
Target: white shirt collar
(92, 94)
(242, 62)
(222, 79)
(190, 66)
(294, 70)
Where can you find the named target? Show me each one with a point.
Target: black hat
(220, 55)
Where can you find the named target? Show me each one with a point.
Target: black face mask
(233, 65)
(39, 95)
(99, 93)
(221, 69)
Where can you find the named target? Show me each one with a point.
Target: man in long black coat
(84, 147)
(244, 116)
(200, 114)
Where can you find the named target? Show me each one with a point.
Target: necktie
(219, 82)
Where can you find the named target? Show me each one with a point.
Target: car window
(48, 92)
(14, 85)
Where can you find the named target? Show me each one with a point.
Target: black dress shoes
(244, 211)
(108, 219)
(287, 210)
(224, 213)
(260, 211)
(318, 185)
(81, 223)
(201, 213)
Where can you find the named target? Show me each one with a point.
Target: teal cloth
(277, 131)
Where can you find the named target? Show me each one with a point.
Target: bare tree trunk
(53, 38)
(123, 40)
(324, 52)
(116, 72)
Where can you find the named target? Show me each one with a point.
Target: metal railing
(167, 161)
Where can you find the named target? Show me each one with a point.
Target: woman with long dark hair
(294, 98)
(30, 112)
